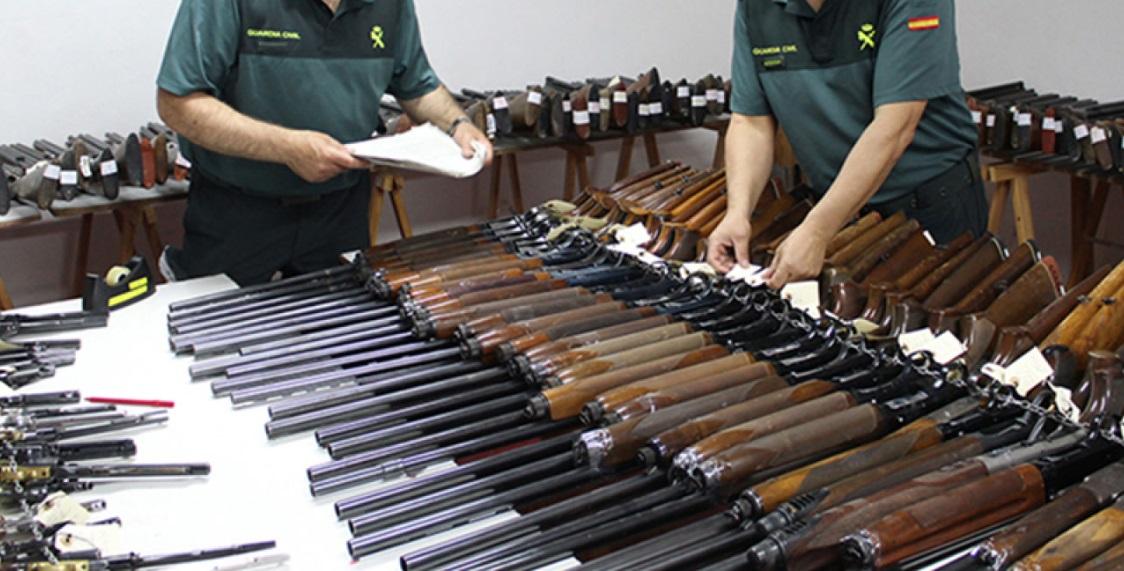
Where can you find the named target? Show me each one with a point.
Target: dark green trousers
(251, 238)
(948, 205)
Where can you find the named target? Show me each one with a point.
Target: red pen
(132, 402)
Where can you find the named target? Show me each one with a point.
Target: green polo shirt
(821, 75)
(296, 64)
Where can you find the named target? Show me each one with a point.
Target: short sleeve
(917, 55)
(202, 48)
(413, 76)
(748, 97)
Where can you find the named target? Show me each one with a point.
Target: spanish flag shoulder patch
(924, 23)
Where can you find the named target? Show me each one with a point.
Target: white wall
(90, 66)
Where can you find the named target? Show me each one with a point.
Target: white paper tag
(977, 117)
(1024, 119)
(1059, 126)
(683, 91)
(1063, 402)
(635, 235)
(655, 108)
(913, 341)
(698, 101)
(499, 103)
(1029, 371)
(68, 178)
(84, 167)
(991, 120)
(105, 538)
(751, 275)
(645, 110)
(696, 268)
(946, 348)
(606, 103)
(534, 98)
(804, 296)
(620, 97)
(1081, 131)
(712, 95)
(109, 168)
(594, 107)
(567, 107)
(1048, 124)
(864, 326)
(637, 252)
(491, 124)
(180, 161)
(581, 117)
(929, 237)
(1098, 135)
(722, 96)
(61, 508)
(52, 172)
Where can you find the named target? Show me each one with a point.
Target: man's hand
(466, 134)
(799, 257)
(728, 245)
(317, 157)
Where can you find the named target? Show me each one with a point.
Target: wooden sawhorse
(388, 185)
(1012, 182)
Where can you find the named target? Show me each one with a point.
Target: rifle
(135, 561)
(1030, 294)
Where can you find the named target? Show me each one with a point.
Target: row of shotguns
(639, 419)
(46, 171)
(1057, 131)
(681, 206)
(25, 361)
(48, 461)
(577, 110)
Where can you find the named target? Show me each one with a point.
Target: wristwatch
(460, 121)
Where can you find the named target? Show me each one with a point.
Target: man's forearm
(214, 125)
(867, 167)
(749, 162)
(437, 107)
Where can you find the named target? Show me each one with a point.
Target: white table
(257, 489)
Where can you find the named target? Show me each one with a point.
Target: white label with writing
(68, 178)
(52, 172)
(85, 168)
(977, 117)
(696, 268)
(712, 95)
(1024, 119)
(499, 103)
(567, 107)
(698, 101)
(109, 168)
(1059, 126)
(1081, 131)
(594, 107)
(1048, 124)
(606, 103)
(750, 275)
(491, 124)
(534, 98)
(914, 340)
(60, 508)
(722, 96)
(1029, 371)
(804, 296)
(581, 117)
(636, 235)
(655, 108)
(105, 538)
(1098, 135)
(991, 120)
(683, 91)
(945, 349)
(645, 110)
(637, 252)
(620, 97)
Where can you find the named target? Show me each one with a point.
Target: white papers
(423, 149)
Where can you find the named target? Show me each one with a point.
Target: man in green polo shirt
(262, 94)
(868, 92)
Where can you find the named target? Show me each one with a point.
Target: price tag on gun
(121, 287)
